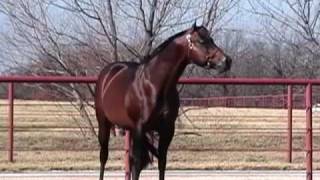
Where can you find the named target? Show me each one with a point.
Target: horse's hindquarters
(110, 94)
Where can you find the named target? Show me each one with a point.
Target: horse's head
(202, 50)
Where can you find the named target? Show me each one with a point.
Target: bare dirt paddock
(171, 175)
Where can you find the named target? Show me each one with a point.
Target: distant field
(206, 138)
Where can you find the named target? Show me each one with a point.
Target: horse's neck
(166, 68)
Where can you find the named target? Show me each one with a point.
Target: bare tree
(150, 19)
(80, 37)
(295, 24)
(215, 12)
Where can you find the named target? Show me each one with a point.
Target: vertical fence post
(10, 121)
(289, 138)
(309, 131)
(127, 156)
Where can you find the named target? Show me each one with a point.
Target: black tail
(146, 148)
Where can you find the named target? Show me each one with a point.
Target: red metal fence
(260, 101)
(308, 83)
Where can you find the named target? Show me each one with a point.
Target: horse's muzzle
(223, 65)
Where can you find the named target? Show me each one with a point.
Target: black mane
(158, 49)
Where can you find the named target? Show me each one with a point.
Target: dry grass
(197, 144)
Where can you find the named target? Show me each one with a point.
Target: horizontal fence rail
(308, 83)
(48, 79)
(191, 80)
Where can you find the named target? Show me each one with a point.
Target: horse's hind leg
(103, 136)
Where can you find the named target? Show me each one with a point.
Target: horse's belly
(120, 119)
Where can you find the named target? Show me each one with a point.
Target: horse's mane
(162, 46)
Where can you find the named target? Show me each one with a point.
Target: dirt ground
(171, 175)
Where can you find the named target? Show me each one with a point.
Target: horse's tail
(143, 145)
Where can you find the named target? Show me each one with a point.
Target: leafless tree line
(80, 37)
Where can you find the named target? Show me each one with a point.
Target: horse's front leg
(166, 133)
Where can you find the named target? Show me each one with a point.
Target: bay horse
(142, 97)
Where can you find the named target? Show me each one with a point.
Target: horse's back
(111, 88)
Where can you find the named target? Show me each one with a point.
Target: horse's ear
(194, 26)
